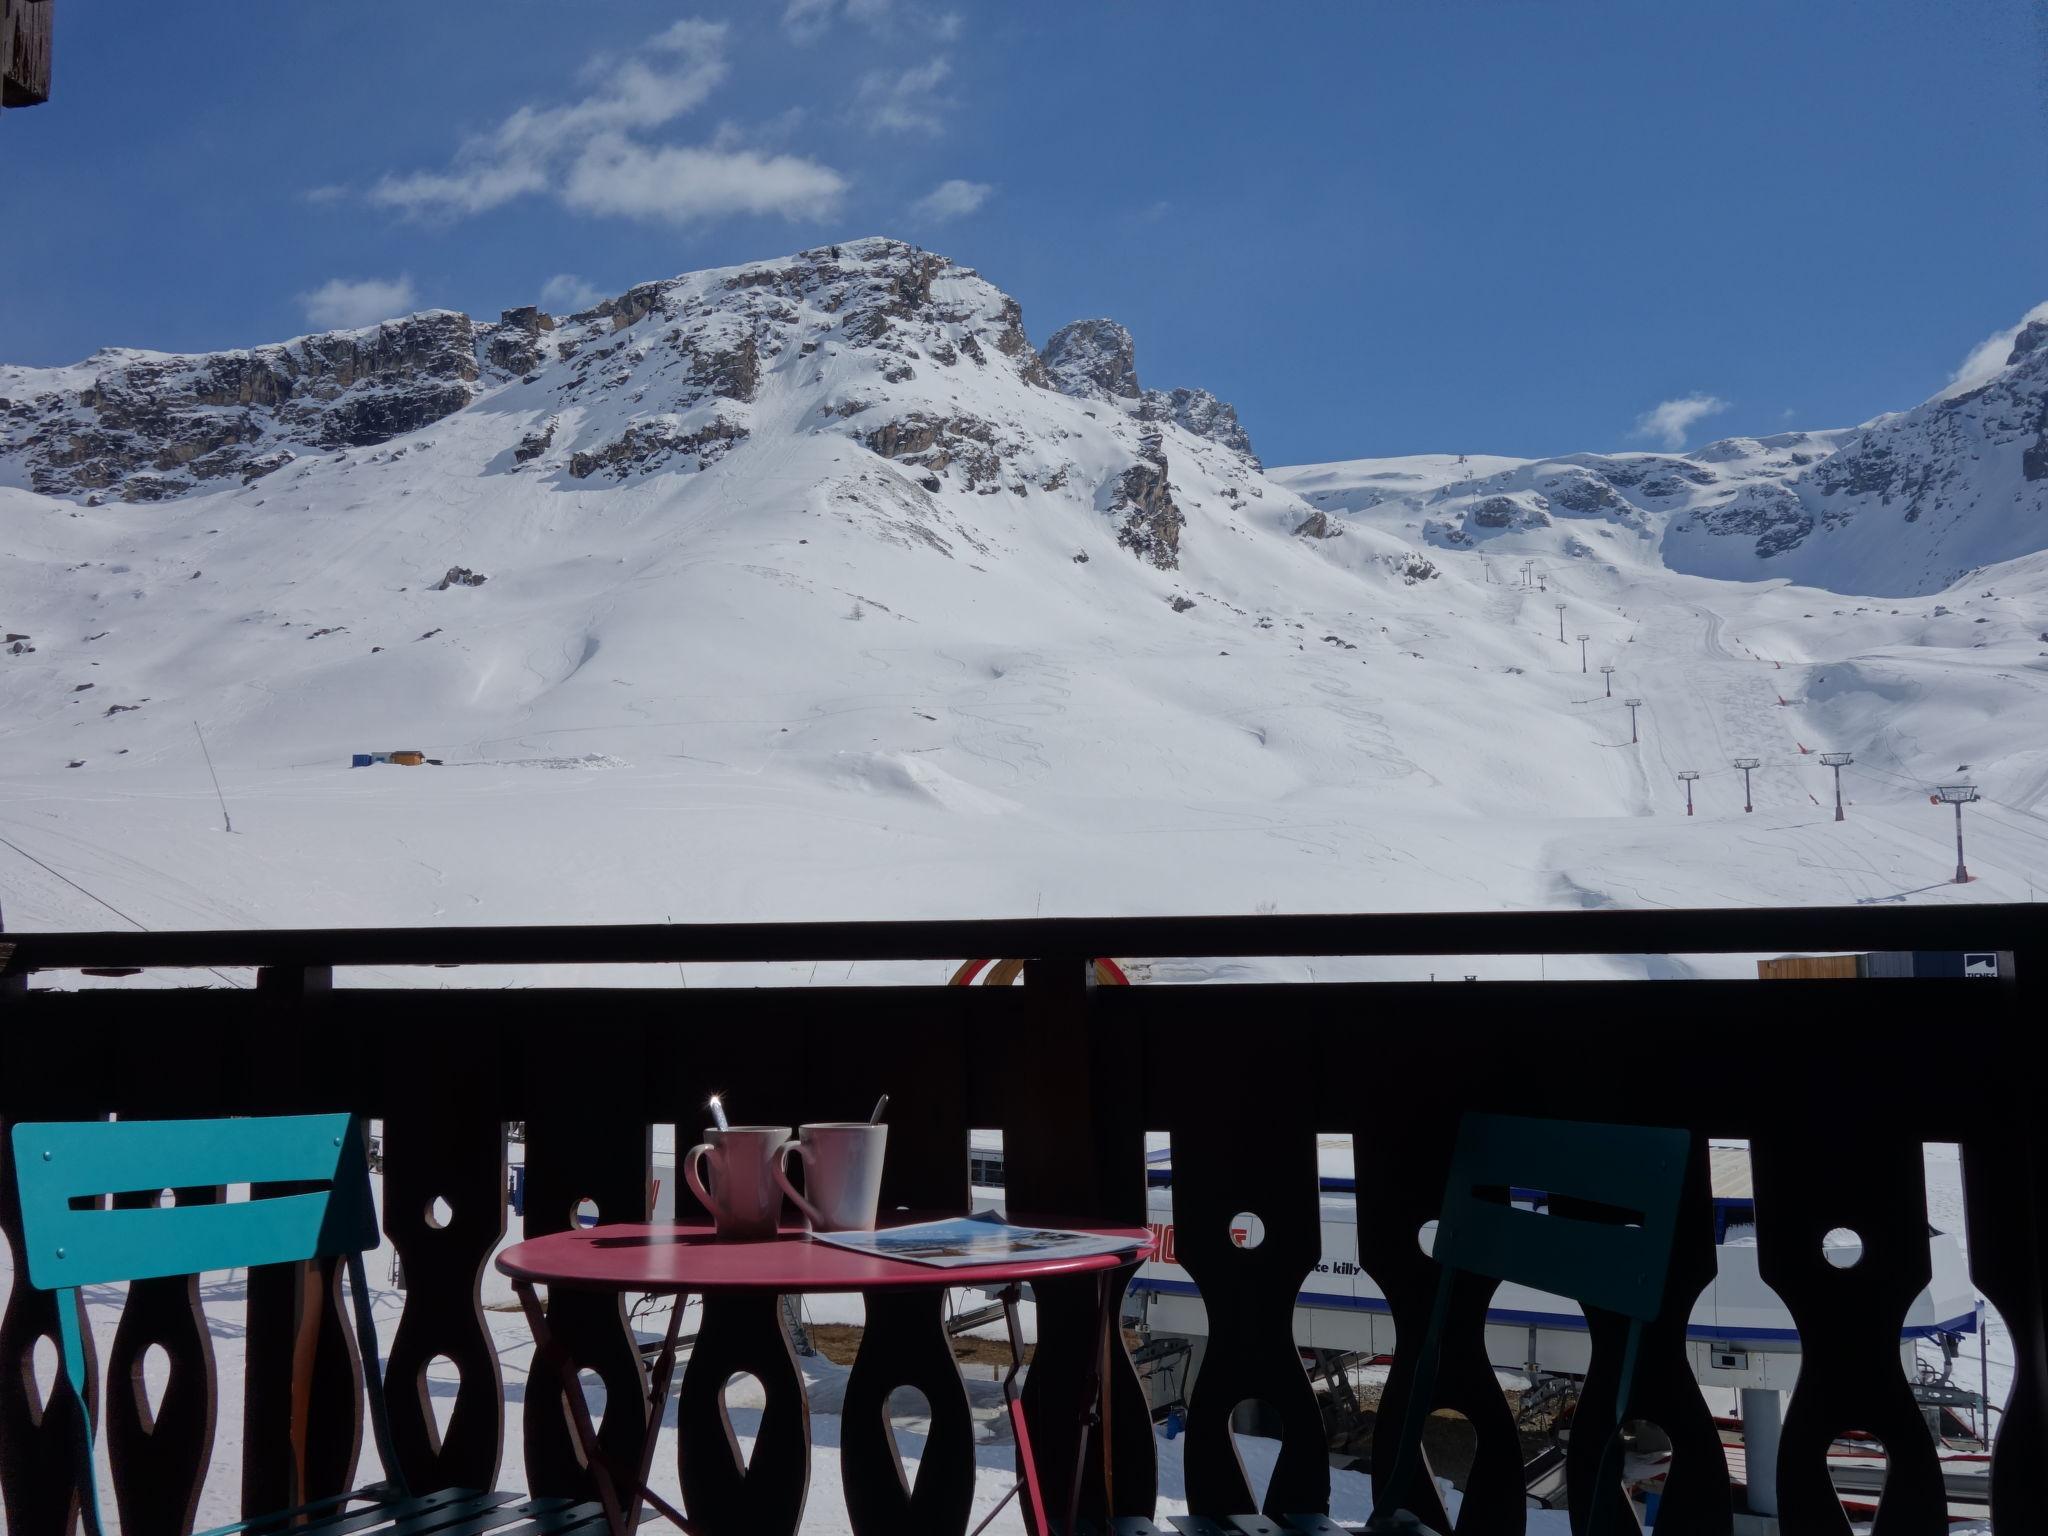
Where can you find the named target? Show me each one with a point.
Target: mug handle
(782, 1177)
(691, 1159)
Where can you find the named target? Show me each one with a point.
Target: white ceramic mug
(842, 1174)
(745, 1199)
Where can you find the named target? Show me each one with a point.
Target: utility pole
(1958, 795)
(1560, 622)
(1607, 671)
(1687, 775)
(1746, 764)
(1838, 761)
(1582, 652)
(1633, 706)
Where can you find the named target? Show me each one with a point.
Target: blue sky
(1378, 227)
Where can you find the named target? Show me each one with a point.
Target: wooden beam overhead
(25, 52)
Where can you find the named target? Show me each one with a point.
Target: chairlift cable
(100, 899)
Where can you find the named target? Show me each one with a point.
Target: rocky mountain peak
(1097, 360)
(1092, 360)
(2033, 335)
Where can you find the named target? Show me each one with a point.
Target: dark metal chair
(1632, 1176)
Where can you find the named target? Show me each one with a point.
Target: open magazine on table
(983, 1238)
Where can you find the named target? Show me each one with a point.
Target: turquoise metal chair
(1618, 1264)
(59, 1162)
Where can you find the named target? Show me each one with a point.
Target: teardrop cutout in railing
(152, 1378)
(908, 1417)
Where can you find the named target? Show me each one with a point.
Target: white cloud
(343, 303)
(586, 152)
(1669, 421)
(567, 294)
(615, 175)
(948, 26)
(951, 200)
(808, 20)
(906, 101)
(1989, 355)
(334, 192)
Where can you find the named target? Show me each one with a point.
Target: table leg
(1013, 1394)
(621, 1503)
(657, 1400)
(548, 1353)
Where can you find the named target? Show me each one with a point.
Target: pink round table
(745, 1280)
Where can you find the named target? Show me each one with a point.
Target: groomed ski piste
(803, 670)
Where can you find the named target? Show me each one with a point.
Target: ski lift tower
(1633, 706)
(1838, 761)
(1607, 671)
(1560, 622)
(1746, 764)
(1958, 795)
(1528, 573)
(1685, 777)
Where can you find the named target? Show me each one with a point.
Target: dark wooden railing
(1836, 1087)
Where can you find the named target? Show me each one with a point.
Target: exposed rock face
(1585, 495)
(1097, 360)
(149, 426)
(514, 343)
(1151, 524)
(459, 576)
(536, 443)
(1092, 360)
(1773, 514)
(1506, 512)
(1202, 414)
(649, 445)
(1317, 525)
(944, 442)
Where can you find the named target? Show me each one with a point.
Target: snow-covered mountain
(840, 597)
(1908, 504)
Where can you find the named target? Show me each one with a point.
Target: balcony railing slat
(1073, 1149)
(2005, 1193)
(1241, 1147)
(159, 1461)
(583, 1150)
(743, 1334)
(920, 1059)
(1865, 1174)
(302, 1374)
(446, 1141)
(1401, 1158)
(904, 1344)
(38, 1487)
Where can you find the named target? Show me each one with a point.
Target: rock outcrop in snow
(1097, 360)
(144, 426)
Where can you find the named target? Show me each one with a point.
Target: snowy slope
(810, 589)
